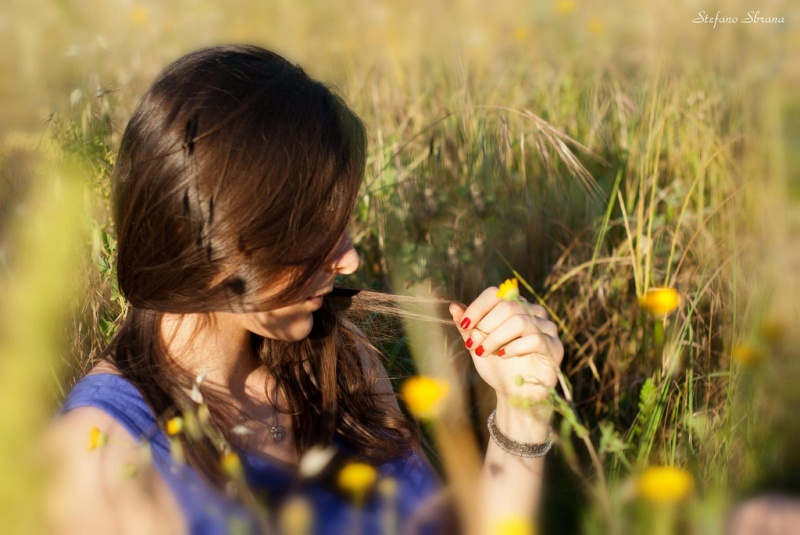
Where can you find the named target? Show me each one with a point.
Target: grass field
(596, 151)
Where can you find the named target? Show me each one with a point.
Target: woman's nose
(345, 260)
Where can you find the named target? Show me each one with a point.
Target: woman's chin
(298, 331)
(291, 327)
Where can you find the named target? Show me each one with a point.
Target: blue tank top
(207, 511)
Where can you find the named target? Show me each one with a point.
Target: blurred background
(597, 150)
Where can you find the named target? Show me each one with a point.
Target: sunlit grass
(38, 287)
(597, 153)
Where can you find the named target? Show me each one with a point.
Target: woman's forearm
(510, 485)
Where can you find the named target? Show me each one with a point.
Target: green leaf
(648, 397)
(610, 442)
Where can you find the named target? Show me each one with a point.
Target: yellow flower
(521, 34)
(596, 26)
(660, 301)
(565, 7)
(356, 478)
(174, 425)
(665, 484)
(423, 395)
(232, 465)
(242, 32)
(97, 439)
(296, 516)
(747, 355)
(139, 15)
(772, 330)
(509, 290)
(514, 525)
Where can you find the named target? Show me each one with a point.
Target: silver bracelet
(521, 449)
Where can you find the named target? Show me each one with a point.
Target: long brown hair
(235, 170)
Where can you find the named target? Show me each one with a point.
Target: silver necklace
(276, 432)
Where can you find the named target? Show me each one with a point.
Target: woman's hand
(516, 350)
(508, 340)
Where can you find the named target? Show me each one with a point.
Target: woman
(234, 184)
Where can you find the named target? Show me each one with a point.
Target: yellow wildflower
(772, 330)
(660, 301)
(139, 15)
(521, 34)
(242, 32)
(174, 425)
(747, 355)
(665, 484)
(596, 26)
(565, 7)
(97, 439)
(423, 395)
(515, 525)
(356, 478)
(232, 465)
(296, 516)
(509, 290)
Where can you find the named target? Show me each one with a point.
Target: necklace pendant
(278, 433)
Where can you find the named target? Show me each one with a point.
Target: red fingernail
(465, 323)
(479, 351)
(468, 343)
(501, 352)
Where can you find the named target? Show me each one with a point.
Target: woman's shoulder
(87, 428)
(106, 431)
(99, 464)
(105, 390)
(88, 437)
(104, 408)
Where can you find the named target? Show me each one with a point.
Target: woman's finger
(499, 314)
(506, 339)
(512, 328)
(473, 337)
(479, 308)
(457, 311)
(540, 344)
(488, 313)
